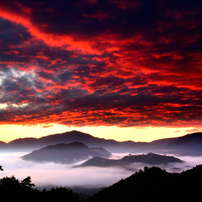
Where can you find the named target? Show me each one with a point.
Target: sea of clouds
(52, 174)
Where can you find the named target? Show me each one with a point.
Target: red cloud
(50, 39)
(100, 63)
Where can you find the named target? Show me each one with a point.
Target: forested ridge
(154, 184)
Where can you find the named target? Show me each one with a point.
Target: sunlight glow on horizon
(10, 132)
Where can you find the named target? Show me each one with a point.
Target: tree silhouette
(12, 190)
(27, 182)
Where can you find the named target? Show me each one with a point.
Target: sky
(121, 69)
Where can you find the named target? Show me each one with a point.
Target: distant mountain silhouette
(74, 136)
(23, 144)
(154, 184)
(65, 153)
(2, 144)
(190, 144)
(151, 159)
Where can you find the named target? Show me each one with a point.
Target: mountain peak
(73, 145)
(65, 153)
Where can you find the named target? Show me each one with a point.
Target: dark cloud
(12, 34)
(125, 63)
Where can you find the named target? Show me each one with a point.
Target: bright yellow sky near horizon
(9, 132)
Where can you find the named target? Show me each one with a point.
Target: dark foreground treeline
(11, 189)
(152, 184)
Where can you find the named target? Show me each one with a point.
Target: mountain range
(190, 144)
(65, 153)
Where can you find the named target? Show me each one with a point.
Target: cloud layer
(124, 63)
(53, 174)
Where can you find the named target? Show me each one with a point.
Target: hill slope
(65, 153)
(154, 184)
(190, 144)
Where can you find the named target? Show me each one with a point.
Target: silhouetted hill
(65, 153)
(190, 144)
(154, 184)
(163, 142)
(151, 159)
(90, 141)
(23, 143)
(100, 162)
(187, 145)
(30, 144)
(2, 144)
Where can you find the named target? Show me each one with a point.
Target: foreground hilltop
(154, 184)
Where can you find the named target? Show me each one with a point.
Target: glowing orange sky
(10, 132)
(101, 63)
